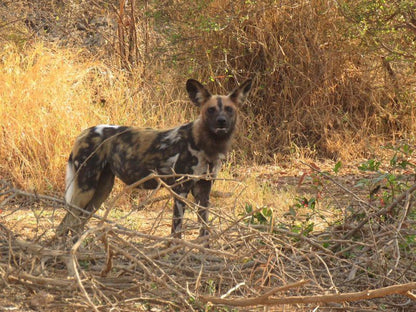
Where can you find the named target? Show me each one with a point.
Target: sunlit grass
(42, 106)
(47, 96)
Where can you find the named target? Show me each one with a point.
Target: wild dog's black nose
(221, 121)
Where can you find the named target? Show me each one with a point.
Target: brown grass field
(314, 209)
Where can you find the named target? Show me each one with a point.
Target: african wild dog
(103, 152)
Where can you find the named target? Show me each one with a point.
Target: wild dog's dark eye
(211, 110)
(228, 109)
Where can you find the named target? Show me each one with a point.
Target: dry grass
(50, 94)
(40, 90)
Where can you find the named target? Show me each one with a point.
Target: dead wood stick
(39, 250)
(66, 284)
(178, 241)
(150, 201)
(411, 295)
(153, 276)
(24, 277)
(72, 267)
(292, 234)
(158, 301)
(283, 288)
(35, 195)
(254, 301)
(402, 289)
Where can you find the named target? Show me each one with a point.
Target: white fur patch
(169, 165)
(217, 167)
(170, 138)
(100, 128)
(69, 182)
(202, 167)
(200, 97)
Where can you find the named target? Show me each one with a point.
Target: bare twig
(74, 264)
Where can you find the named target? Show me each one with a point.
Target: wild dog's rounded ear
(240, 93)
(197, 92)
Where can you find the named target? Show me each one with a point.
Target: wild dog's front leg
(178, 212)
(201, 191)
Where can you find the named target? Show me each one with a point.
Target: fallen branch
(180, 242)
(26, 278)
(402, 289)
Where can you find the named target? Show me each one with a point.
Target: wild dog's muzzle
(222, 125)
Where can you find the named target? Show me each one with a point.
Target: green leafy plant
(263, 216)
(300, 214)
(388, 180)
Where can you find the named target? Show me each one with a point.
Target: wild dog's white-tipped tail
(69, 181)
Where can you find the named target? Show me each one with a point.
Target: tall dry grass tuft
(41, 108)
(48, 95)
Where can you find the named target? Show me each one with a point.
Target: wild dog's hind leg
(201, 191)
(102, 191)
(72, 220)
(96, 185)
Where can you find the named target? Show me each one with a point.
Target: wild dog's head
(218, 112)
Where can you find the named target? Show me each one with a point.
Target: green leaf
(267, 212)
(337, 167)
(370, 165)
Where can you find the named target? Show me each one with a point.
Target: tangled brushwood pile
(367, 262)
